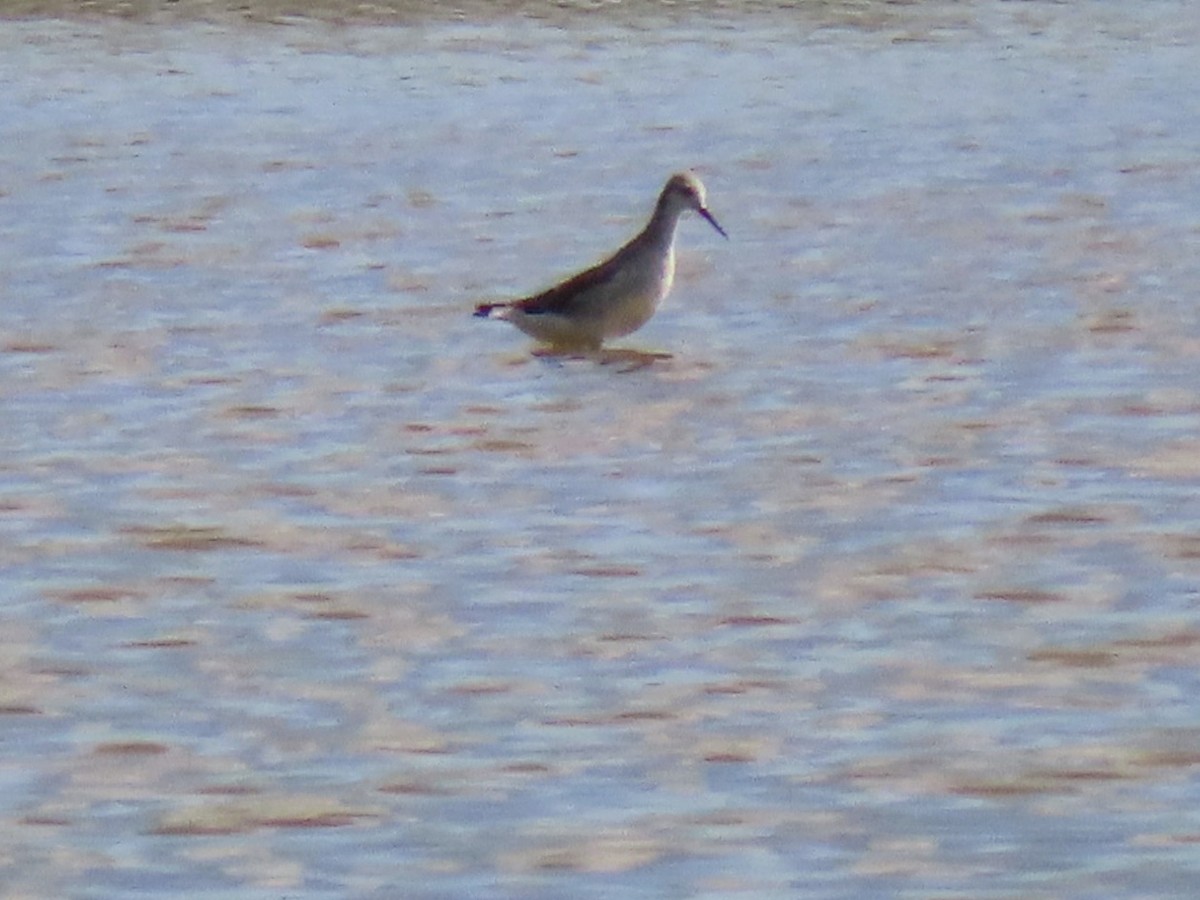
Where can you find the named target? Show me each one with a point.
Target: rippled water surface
(882, 583)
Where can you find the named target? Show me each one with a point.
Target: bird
(615, 297)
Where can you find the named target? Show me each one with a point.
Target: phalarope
(618, 296)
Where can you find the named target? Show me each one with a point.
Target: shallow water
(883, 584)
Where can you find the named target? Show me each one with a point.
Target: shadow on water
(625, 358)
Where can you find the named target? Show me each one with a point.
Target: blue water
(882, 584)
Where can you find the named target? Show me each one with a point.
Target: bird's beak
(713, 222)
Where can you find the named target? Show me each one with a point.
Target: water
(883, 584)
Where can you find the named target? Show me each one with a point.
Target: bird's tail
(487, 310)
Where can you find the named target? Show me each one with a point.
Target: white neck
(661, 227)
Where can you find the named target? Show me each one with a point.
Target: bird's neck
(660, 230)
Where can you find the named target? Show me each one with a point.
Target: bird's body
(615, 297)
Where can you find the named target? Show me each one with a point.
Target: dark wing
(564, 299)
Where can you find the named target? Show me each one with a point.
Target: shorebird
(618, 296)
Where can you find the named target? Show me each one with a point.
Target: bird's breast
(634, 296)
